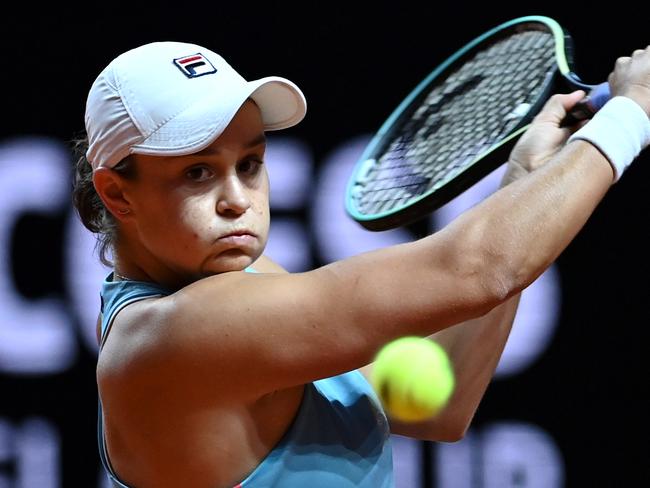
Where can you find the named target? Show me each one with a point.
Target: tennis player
(217, 368)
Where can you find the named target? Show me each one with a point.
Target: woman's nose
(233, 198)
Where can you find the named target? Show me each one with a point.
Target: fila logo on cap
(195, 65)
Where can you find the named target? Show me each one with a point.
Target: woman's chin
(231, 260)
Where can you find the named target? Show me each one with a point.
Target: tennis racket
(461, 121)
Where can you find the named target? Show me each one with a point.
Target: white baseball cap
(175, 98)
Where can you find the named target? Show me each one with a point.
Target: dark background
(355, 63)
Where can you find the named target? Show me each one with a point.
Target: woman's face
(208, 212)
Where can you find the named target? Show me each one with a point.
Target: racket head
(459, 123)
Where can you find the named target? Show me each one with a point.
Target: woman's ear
(110, 188)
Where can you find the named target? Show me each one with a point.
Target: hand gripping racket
(461, 121)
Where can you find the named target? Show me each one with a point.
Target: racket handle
(588, 106)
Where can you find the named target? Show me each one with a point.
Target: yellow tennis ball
(413, 378)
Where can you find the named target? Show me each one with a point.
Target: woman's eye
(250, 166)
(200, 173)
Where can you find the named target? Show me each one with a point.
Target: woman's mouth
(238, 238)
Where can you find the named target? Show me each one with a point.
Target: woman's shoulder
(265, 264)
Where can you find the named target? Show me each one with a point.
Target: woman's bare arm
(236, 336)
(245, 335)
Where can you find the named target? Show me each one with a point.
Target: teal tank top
(339, 437)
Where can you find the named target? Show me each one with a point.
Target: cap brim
(280, 101)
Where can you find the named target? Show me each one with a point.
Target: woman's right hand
(631, 78)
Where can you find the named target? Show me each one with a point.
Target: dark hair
(89, 206)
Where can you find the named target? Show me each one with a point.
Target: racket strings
(461, 117)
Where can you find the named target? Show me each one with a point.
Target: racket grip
(588, 106)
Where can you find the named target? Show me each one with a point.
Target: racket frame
(445, 190)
